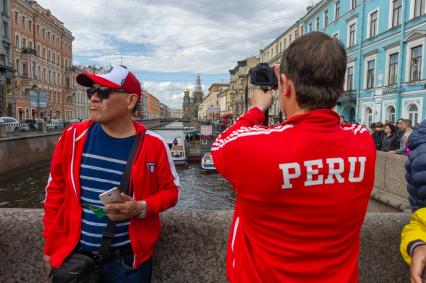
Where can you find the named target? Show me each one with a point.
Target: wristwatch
(143, 212)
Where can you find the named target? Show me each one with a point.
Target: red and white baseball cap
(114, 76)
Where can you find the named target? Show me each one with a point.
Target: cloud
(182, 36)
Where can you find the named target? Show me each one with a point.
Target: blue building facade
(385, 42)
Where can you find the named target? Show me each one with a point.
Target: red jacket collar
(85, 125)
(321, 118)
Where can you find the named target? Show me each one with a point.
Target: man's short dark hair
(316, 64)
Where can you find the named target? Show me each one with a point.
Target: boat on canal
(174, 136)
(207, 164)
(178, 149)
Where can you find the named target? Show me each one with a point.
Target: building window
(310, 27)
(396, 12)
(285, 43)
(353, 3)
(289, 39)
(25, 69)
(23, 21)
(419, 7)
(34, 70)
(48, 55)
(352, 31)
(17, 41)
(349, 78)
(16, 18)
(393, 68)
(416, 63)
(38, 50)
(368, 118)
(325, 18)
(38, 30)
(370, 73)
(337, 11)
(30, 25)
(24, 43)
(44, 33)
(390, 113)
(373, 24)
(5, 30)
(301, 31)
(413, 113)
(318, 24)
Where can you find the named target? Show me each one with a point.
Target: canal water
(198, 190)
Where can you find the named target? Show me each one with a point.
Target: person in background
(413, 236)
(372, 128)
(378, 135)
(406, 128)
(390, 139)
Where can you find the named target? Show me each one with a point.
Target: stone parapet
(192, 247)
(390, 186)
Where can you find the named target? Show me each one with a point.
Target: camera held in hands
(264, 76)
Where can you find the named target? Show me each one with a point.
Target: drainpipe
(360, 38)
(401, 50)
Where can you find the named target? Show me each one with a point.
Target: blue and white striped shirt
(101, 169)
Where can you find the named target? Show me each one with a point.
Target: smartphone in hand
(112, 195)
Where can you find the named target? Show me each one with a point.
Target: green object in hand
(99, 211)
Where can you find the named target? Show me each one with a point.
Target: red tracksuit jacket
(302, 193)
(62, 208)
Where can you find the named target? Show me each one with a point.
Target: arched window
(390, 113)
(413, 113)
(368, 116)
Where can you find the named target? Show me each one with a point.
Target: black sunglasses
(103, 92)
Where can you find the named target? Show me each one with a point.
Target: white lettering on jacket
(333, 171)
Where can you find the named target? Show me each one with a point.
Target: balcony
(29, 51)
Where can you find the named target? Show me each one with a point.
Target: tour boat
(207, 163)
(178, 151)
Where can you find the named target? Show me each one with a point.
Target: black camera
(264, 76)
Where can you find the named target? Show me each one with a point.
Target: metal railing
(16, 129)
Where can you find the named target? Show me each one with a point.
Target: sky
(167, 43)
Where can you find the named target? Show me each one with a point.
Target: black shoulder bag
(82, 268)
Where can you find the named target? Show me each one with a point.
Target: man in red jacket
(302, 186)
(88, 160)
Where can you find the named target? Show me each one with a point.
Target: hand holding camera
(261, 99)
(263, 76)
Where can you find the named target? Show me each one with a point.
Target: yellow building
(272, 55)
(239, 85)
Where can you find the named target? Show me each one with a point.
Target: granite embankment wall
(192, 247)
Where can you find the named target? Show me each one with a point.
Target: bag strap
(108, 234)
